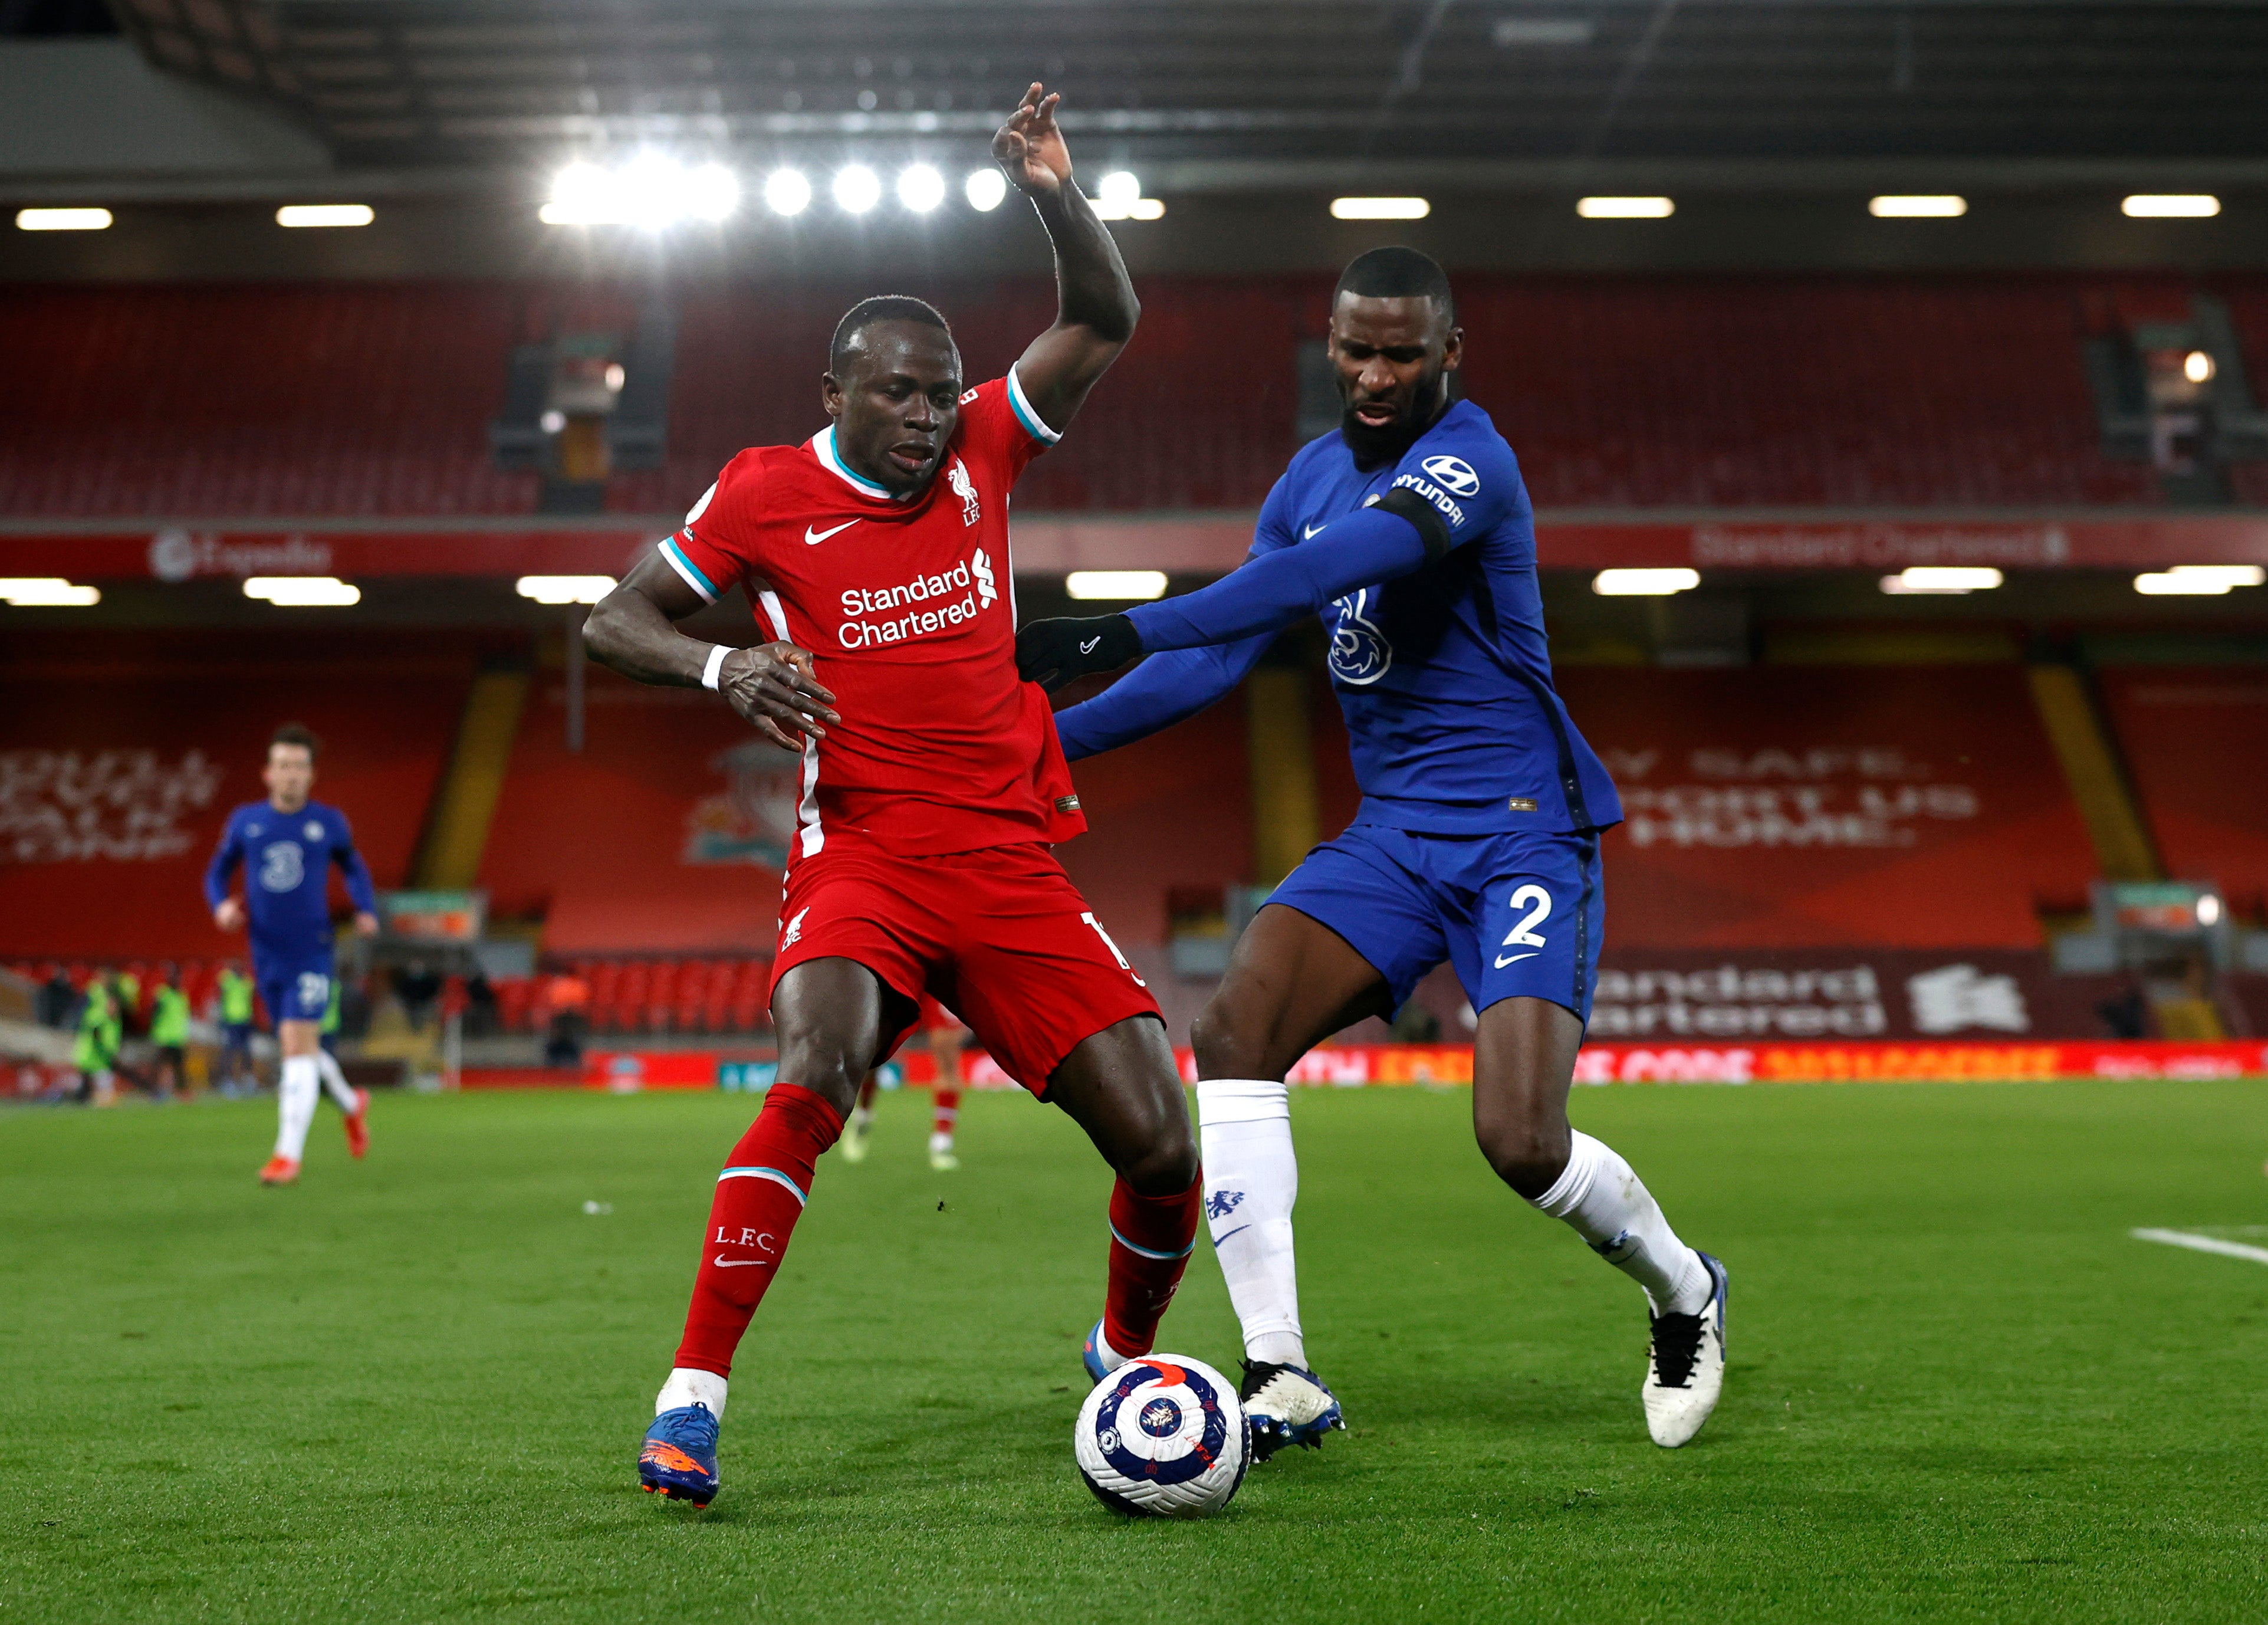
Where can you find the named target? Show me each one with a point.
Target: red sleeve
(999, 429)
(716, 546)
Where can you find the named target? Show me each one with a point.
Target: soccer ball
(1163, 1436)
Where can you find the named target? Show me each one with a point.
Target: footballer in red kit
(875, 555)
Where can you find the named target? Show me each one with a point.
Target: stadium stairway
(2100, 783)
(464, 804)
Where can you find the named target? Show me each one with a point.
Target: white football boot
(1685, 1365)
(1286, 1405)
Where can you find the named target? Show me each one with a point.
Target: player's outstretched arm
(1096, 307)
(772, 687)
(1160, 692)
(1378, 543)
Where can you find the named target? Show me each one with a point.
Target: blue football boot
(1091, 1356)
(678, 1457)
(1286, 1405)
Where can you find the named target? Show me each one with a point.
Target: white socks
(295, 1105)
(1251, 1180)
(689, 1386)
(1110, 1357)
(1609, 1209)
(334, 1082)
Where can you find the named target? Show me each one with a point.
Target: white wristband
(717, 653)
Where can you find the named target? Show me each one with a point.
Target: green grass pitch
(413, 1388)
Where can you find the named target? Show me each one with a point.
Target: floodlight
(1942, 206)
(1625, 208)
(303, 591)
(564, 589)
(985, 188)
(713, 192)
(1115, 584)
(325, 214)
(2198, 580)
(1643, 583)
(1379, 209)
(62, 220)
(49, 591)
(856, 189)
(1942, 579)
(786, 192)
(920, 187)
(2171, 206)
(1121, 187)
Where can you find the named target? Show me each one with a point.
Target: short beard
(1375, 447)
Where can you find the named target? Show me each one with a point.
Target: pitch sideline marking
(2203, 1244)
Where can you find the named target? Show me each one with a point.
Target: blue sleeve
(225, 857)
(1158, 693)
(1167, 688)
(1362, 549)
(1458, 483)
(356, 872)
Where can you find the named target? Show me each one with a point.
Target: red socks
(1149, 1242)
(758, 1197)
(947, 1110)
(761, 1195)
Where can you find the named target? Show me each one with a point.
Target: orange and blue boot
(678, 1457)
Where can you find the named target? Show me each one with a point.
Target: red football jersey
(909, 610)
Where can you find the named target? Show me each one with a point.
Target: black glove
(1053, 653)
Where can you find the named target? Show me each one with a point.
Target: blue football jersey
(1445, 674)
(287, 859)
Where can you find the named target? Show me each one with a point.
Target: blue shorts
(1519, 916)
(295, 987)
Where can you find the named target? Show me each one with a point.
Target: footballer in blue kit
(286, 846)
(1409, 531)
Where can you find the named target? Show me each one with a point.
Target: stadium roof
(1212, 95)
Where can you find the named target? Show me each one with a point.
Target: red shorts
(998, 936)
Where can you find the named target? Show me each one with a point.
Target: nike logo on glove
(1503, 960)
(1090, 645)
(813, 536)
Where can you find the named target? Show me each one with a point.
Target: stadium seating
(1759, 390)
(1897, 806)
(641, 996)
(2194, 738)
(122, 761)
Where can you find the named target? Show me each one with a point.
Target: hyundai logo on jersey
(1454, 472)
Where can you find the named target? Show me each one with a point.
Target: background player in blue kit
(1477, 839)
(287, 845)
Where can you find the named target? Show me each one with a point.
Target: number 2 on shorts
(1538, 901)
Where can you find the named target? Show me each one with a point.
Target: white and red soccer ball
(1163, 1436)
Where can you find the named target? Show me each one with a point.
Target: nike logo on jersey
(1503, 960)
(1308, 531)
(813, 536)
(1090, 645)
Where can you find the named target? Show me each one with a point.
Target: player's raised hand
(1053, 653)
(230, 915)
(1030, 147)
(775, 688)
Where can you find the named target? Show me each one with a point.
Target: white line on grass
(2204, 1243)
